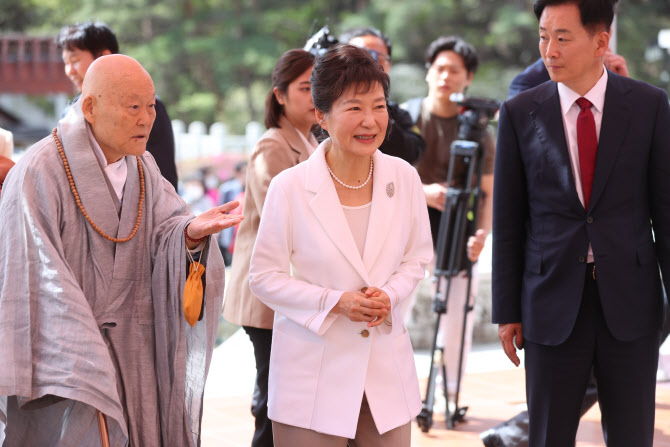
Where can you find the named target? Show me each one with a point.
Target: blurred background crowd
(212, 60)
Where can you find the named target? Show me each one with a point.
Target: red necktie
(587, 144)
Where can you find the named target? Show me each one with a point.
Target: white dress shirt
(570, 111)
(116, 172)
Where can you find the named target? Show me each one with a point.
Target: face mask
(192, 193)
(211, 182)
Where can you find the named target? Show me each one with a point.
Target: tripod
(461, 201)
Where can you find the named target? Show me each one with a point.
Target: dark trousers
(514, 432)
(557, 376)
(262, 341)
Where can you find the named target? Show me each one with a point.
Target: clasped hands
(371, 304)
(213, 221)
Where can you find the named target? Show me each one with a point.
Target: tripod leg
(425, 418)
(447, 411)
(468, 306)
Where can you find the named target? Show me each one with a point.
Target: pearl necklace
(349, 186)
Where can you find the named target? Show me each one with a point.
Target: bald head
(118, 101)
(110, 72)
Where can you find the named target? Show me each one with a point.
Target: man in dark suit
(84, 42)
(536, 73)
(581, 175)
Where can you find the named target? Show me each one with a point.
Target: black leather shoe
(491, 439)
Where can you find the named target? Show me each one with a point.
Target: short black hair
(348, 35)
(94, 37)
(458, 46)
(594, 14)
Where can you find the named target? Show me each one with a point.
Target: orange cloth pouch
(193, 291)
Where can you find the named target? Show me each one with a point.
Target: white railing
(197, 143)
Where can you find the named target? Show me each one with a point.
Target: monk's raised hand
(214, 220)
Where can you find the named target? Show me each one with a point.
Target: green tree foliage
(212, 59)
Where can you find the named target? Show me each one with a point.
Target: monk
(95, 246)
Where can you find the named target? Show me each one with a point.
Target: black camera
(320, 42)
(475, 115)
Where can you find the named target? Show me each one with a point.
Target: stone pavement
(493, 389)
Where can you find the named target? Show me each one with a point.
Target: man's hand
(511, 334)
(436, 195)
(212, 221)
(372, 306)
(476, 245)
(616, 63)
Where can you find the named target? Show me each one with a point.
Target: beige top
(358, 218)
(278, 149)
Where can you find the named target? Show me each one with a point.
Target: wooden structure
(31, 65)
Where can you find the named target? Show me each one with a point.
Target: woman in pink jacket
(343, 242)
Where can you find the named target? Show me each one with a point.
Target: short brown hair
(290, 65)
(341, 67)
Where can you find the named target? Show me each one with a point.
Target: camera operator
(451, 64)
(403, 140)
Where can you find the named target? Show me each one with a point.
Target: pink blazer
(304, 259)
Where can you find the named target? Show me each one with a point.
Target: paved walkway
(493, 389)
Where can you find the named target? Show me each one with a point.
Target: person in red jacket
(5, 165)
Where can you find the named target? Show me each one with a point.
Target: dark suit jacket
(161, 144)
(542, 231)
(402, 141)
(535, 74)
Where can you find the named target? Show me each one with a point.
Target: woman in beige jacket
(289, 117)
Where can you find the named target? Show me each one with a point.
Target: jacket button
(589, 219)
(582, 259)
(365, 333)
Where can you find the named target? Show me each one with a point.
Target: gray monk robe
(88, 324)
